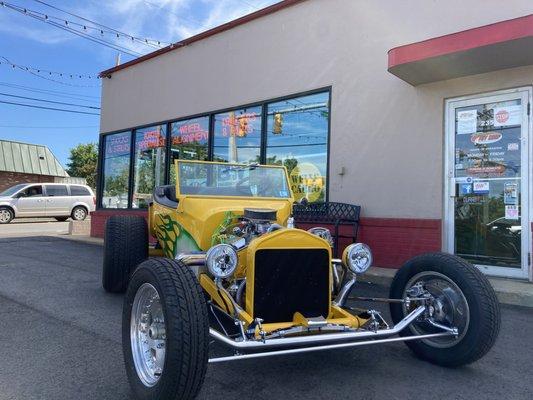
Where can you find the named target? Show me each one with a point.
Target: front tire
(6, 215)
(125, 246)
(180, 313)
(463, 298)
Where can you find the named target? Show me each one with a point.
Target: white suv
(56, 200)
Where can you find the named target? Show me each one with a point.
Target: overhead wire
(148, 41)
(28, 70)
(49, 101)
(48, 19)
(47, 108)
(75, 96)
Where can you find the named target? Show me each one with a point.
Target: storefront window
(116, 170)
(238, 136)
(297, 137)
(189, 141)
(149, 168)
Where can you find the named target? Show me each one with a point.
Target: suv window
(32, 191)
(79, 191)
(56, 190)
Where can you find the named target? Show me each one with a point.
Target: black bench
(336, 214)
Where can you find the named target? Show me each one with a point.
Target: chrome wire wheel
(148, 335)
(447, 306)
(5, 216)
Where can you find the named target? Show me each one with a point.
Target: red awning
(505, 44)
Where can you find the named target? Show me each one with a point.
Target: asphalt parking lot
(60, 339)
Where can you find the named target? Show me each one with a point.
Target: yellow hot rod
(229, 266)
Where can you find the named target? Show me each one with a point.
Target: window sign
(493, 149)
(116, 170)
(238, 136)
(149, 167)
(189, 141)
(297, 137)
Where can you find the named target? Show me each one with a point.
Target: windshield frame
(177, 163)
(20, 186)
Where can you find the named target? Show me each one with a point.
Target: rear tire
(186, 328)
(6, 215)
(125, 246)
(472, 289)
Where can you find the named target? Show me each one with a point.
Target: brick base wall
(99, 218)
(8, 179)
(393, 240)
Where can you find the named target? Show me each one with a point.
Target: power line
(49, 101)
(47, 108)
(147, 41)
(48, 19)
(75, 96)
(48, 127)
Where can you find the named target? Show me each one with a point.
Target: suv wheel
(6, 215)
(79, 213)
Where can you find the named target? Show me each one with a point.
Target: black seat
(166, 196)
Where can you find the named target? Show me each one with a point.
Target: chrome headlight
(221, 260)
(324, 233)
(357, 257)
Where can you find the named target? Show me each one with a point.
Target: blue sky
(30, 42)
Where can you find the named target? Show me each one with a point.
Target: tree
(82, 162)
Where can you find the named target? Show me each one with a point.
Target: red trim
(512, 29)
(211, 32)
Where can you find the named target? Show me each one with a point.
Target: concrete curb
(514, 292)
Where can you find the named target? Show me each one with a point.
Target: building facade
(28, 163)
(417, 111)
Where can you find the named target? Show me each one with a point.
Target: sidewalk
(509, 291)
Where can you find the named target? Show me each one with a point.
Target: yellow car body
(193, 225)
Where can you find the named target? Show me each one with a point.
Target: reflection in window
(116, 170)
(150, 151)
(189, 142)
(297, 137)
(238, 136)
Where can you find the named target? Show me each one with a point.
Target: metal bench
(331, 213)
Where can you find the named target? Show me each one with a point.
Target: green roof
(29, 159)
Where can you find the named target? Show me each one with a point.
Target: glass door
(488, 182)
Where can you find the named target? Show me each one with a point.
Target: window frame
(210, 142)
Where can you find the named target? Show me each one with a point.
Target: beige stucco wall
(387, 134)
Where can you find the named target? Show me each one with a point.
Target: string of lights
(41, 74)
(100, 27)
(71, 75)
(69, 28)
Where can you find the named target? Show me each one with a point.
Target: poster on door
(466, 122)
(507, 116)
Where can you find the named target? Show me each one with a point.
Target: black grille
(289, 281)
